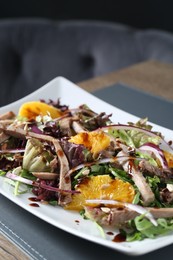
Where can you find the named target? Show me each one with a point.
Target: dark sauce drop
(67, 179)
(119, 238)
(110, 233)
(77, 221)
(170, 142)
(34, 199)
(60, 153)
(130, 167)
(34, 205)
(84, 181)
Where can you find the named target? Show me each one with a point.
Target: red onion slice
(12, 151)
(102, 161)
(15, 177)
(165, 145)
(150, 147)
(129, 127)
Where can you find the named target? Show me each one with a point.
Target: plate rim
(62, 80)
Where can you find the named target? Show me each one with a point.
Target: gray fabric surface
(33, 51)
(42, 240)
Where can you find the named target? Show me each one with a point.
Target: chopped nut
(106, 210)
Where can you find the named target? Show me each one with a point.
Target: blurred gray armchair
(34, 51)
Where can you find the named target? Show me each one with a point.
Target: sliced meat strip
(166, 195)
(65, 181)
(17, 131)
(143, 187)
(148, 169)
(45, 175)
(118, 216)
(7, 115)
(138, 178)
(3, 137)
(65, 124)
(161, 212)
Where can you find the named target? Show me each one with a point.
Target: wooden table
(151, 76)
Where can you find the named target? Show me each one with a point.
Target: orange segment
(101, 187)
(169, 158)
(32, 109)
(95, 141)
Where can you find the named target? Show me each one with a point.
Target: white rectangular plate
(74, 96)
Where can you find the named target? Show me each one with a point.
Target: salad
(117, 175)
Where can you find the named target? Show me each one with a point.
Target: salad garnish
(117, 175)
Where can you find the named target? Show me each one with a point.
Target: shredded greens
(143, 228)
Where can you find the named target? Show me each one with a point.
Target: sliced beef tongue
(139, 180)
(64, 181)
(7, 115)
(118, 216)
(166, 195)
(143, 187)
(148, 169)
(3, 137)
(65, 126)
(15, 130)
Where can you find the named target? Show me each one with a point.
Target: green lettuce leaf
(134, 138)
(148, 157)
(143, 228)
(36, 158)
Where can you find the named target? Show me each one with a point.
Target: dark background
(137, 13)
